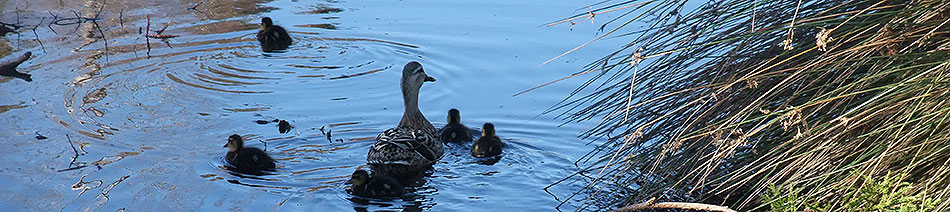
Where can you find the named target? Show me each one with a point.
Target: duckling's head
(453, 116)
(488, 130)
(235, 143)
(266, 22)
(359, 177)
(412, 78)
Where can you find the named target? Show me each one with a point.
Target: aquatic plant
(718, 102)
(885, 193)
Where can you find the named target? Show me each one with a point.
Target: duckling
(247, 158)
(9, 68)
(489, 144)
(375, 186)
(284, 127)
(272, 37)
(455, 131)
(411, 144)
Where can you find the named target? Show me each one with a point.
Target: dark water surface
(150, 130)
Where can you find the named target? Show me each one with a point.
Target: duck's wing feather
(402, 146)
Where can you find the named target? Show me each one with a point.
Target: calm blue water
(151, 128)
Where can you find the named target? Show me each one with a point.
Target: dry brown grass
(725, 103)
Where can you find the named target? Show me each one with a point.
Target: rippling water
(149, 124)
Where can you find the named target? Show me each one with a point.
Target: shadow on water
(145, 123)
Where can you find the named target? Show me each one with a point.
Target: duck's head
(359, 177)
(235, 143)
(412, 78)
(453, 116)
(488, 130)
(266, 22)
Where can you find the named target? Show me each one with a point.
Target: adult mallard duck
(489, 144)
(272, 37)
(455, 131)
(375, 186)
(411, 144)
(247, 159)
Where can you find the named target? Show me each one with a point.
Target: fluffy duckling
(412, 144)
(489, 144)
(375, 186)
(455, 131)
(247, 158)
(272, 37)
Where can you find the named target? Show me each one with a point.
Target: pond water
(149, 122)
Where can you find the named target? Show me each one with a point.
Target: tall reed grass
(718, 103)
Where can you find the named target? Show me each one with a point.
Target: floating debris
(40, 137)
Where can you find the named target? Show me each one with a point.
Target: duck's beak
(429, 79)
(225, 145)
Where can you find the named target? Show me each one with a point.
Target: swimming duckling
(489, 144)
(375, 186)
(272, 37)
(455, 131)
(247, 158)
(283, 126)
(412, 144)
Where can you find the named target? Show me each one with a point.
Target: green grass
(886, 193)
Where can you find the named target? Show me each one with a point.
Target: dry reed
(737, 95)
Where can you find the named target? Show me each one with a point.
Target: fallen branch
(9, 68)
(674, 205)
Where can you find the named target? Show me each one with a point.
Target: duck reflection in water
(272, 37)
(247, 160)
(375, 186)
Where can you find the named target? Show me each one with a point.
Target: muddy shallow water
(149, 124)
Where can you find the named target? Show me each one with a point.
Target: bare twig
(195, 8)
(161, 36)
(121, 23)
(76, 152)
(38, 36)
(164, 27)
(105, 41)
(50, 25)
(148, 45)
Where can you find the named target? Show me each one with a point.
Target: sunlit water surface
(150, 124)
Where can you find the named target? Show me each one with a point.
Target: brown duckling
(489, 144)
(247, 158)
(455, 131)
(272, 37)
